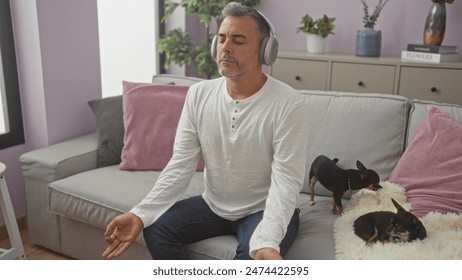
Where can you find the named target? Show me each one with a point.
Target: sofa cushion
(315, 237)
(430, 167)
(420, 108)
(109, 128)
(353, 126)
(98, 195)
(215, 248)
(151, 113)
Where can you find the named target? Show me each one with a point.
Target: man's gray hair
(238, 10)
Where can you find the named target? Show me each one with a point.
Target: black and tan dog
(387, 226)
(339, 180)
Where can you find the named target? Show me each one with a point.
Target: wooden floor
(34, 252)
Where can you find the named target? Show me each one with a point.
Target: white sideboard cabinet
(440, 82)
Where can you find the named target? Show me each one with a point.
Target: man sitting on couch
(246, 125)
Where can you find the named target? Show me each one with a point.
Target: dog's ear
(360, 166)
(398, 207)
(421, 232)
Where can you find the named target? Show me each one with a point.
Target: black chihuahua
(339, 180)
(387, 226)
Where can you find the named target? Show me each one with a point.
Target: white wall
(127, 33)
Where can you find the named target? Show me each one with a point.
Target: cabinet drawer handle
(360, 83)
(433, 89)
(298, 78)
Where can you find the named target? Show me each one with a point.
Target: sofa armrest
(175, 79)
(61, 160)
(41, 167)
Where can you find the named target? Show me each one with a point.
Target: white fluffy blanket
(444, 231)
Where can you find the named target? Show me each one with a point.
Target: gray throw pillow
(110, 129)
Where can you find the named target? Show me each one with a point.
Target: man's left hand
(268, 254)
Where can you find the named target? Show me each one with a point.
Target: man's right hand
(121, 233)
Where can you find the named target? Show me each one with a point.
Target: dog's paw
(337, 210)
(312, 203)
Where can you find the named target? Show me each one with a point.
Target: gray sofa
(70, 201)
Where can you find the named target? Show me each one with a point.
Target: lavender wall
(401, 22)
(59, 72)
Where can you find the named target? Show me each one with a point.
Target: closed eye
(237, 39)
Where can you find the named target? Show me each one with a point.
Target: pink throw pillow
(151, 113)
(430, 169)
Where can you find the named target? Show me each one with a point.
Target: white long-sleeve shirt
(255, 155)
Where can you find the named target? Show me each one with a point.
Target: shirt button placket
(234, 116)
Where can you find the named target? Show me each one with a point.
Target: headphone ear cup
(262, 51)
(269, 50)
(213, 47)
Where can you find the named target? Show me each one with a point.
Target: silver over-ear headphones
(268, 48)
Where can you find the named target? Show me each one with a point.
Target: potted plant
(369, 40)
(316, 32)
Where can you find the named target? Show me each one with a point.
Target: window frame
(162, 32)
(15, 135)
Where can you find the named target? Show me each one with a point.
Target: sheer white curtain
(3, 105)
(127, 36)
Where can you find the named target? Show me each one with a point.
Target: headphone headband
(271, 27)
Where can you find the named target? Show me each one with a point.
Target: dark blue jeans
(191, 220)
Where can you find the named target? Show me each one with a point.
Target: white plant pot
(315, 43)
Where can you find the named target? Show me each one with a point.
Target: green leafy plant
(178, 46)
(370, 20)
(183, 47)
(322, 26)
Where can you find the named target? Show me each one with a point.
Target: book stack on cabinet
(430, 54)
